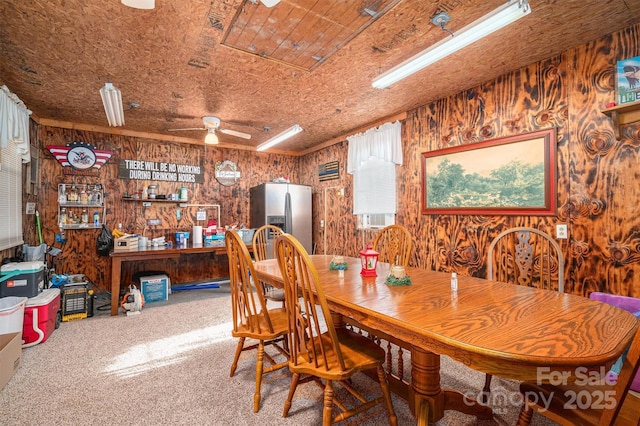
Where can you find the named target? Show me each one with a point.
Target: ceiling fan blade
(187, 128)
(234, 133)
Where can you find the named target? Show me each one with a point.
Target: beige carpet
(170, 366)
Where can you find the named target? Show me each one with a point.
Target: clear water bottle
(454, 281)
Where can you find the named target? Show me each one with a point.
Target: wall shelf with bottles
(80, 206)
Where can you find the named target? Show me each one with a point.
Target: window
(372, 161)
(14, 150)
(10, 190)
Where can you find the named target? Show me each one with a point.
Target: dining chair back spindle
(524, 256)
(319, 351)
(393, 243)
(264, 240)
(251, 317)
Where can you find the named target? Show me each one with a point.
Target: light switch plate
(201, 215)
(31, 208)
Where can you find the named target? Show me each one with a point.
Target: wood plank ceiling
(309, 62)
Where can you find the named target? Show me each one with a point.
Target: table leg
(426, 398)
(116, 269)
(429, 400)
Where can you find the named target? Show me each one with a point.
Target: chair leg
(259, 368)
(234, 365)
(486, 390)
(328, 404)
(526, 413)
(292, 390)
(384, 385)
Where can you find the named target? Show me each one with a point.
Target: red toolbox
(41, 316)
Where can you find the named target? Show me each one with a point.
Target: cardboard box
(628, 75)
(23, 279)
(155, 288)
(126, 243)
(10, 356)
(41, 317)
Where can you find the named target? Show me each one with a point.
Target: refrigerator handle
(287, 213)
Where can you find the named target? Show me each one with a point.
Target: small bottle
(454, 281)
(96, 219)
(84, 196)
(85, 216)
(63, 217)
(145, 193)
(120, 227)
(62, 194)
(72, 197)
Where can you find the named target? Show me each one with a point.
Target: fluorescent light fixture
(112, 101)
(139, 4)
(499, 18)
(279, 138)
(211, 138)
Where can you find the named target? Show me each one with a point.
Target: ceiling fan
(211, 125)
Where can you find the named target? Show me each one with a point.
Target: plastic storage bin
(21, 279)
(41, 317)
(12, 314)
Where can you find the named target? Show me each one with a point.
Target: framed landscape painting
(509, 176)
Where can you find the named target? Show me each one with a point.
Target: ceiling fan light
(211, 138)
(139, 4)
(270, 3)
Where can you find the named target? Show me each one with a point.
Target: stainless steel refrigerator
(285, 205)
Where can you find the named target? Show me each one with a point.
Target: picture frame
(515, 175)
(628, 80)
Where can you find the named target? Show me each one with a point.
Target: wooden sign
(227, 172)
(329, 171)
(160, 171)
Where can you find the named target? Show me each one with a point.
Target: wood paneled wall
(79, 252)
(598, 176)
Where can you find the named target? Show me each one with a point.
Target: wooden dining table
(507, 330)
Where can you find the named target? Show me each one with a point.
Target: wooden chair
(524, 256)
(251, 318)
(263, 248)
(589, 404)
(319, 350)
(394, 245)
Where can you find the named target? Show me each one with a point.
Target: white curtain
(14, 123)
(372, 159)
(383, 143)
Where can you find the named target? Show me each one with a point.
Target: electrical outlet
(561, 231)
(321, 223)
(154, 222)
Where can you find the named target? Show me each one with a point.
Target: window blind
(11, 191)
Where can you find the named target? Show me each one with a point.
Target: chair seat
(359, 353)
(279, 321)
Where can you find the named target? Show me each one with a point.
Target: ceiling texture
(261, 70)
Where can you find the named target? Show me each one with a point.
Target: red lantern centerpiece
(369, 260)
